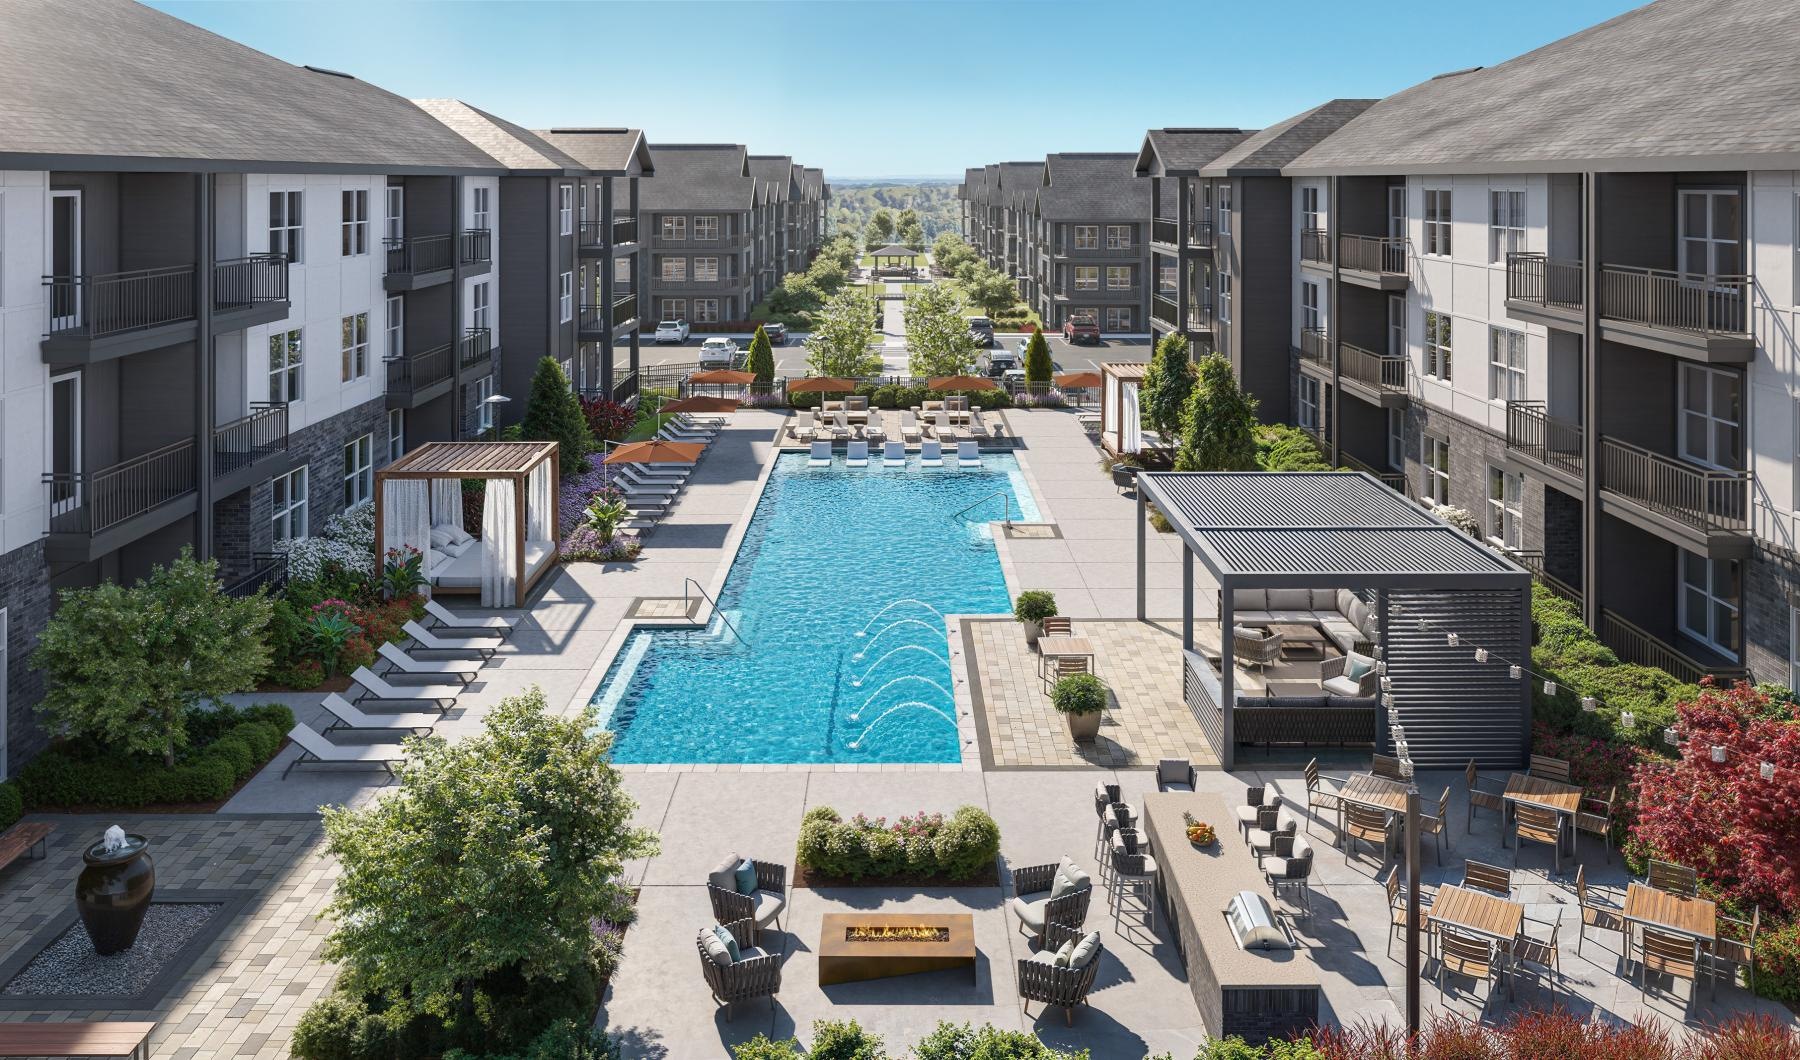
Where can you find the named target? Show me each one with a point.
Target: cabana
(419, 504)
(1121, 420)
(1341, 553)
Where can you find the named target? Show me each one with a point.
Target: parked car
(718, 352)
(981, 329)
(1081, 329)
(1012, 380)
(671, 331)
(1003, 360)
(777, 334)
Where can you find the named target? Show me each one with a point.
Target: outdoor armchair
(1175, 774)
(754, 974)
(762, 908)
(1041, 980)
(1335, 679)
(1037, 904)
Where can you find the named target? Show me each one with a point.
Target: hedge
(12, 805)
(905, 396)
(958, 847)
(1570, 654)
(227, 745)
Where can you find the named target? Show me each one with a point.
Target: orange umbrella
(822, 385)
(1078, 380)
(723, 376)
(962, 382)
(655, 453)
(702, 404)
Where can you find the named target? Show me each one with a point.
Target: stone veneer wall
(321, 447)
(1472, 450)
(25, 593)
(1771, 588)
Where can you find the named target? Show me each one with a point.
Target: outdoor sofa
(1307, 720)
(1340, 614)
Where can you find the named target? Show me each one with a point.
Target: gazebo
(1444, 618)
(419, 504)
(896, 252)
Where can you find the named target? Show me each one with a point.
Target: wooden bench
(21, 839)
(128, 1041)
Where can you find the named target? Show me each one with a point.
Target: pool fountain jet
(856, 715)
(858, 682)
(909, 704)
(908, 600)
(858, 657)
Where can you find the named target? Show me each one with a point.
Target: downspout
(1332, 324)
(205, 356)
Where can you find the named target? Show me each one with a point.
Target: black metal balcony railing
(244, 441)
(1394, 480)
(1711, 305)
(415, 371)
(1533, 561)
(239, 283)
(96, 306)
(624, 309)
(625, 385)
(1544, 281)
(412, 255)
(1533, 432)
(476, 246)
(1165, 230)
(1315, 346)
(1164, 309)
(1315, 245)
(91, 502)
(1200, 315)
(625, 230)
(1634, 644)
(1375, 369)
(1372, 253)
(1704, 498)
(476, 347)
(1199, 234)
(267, 570)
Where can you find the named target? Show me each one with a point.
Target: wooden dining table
(1696, 918)
(1379, 793)
(1060, 646)
(1565, 799)
(1479, 913)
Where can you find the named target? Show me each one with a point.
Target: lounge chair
(627, 475)
(638, 490)
(909, 427)
(703, 423)
(673, 433)
(858, 455)
(931, 454)
(968, 454)
(875, 428)
(840, 425)
(316, 748)
(463, 668)
(820, 455)
(942, 428)
(432, 642)
(893, 454)
(379, 689)
(450, 620)
(806, 428)
(345, 716)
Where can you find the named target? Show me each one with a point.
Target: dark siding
(528, 292)
(1262, 305)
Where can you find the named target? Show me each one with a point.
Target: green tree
(949, 251)
(843, 330)
(1218, 426)
(937, 336)
(1038, 366)
(828, 275)
(906, 217)
(880, 230)
(1167, 383)
(553, 414)
(494, 855)
(913, 237)
(128, 666)
(761, 361)
(987, 287)
(796, 294)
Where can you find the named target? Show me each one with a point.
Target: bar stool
(1104, 796)
(1120, 815)
(1133, 873)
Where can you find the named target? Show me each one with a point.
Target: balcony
(1545, 290)
(1375, 377)
(417, 262)
(1200, 316)
(1315, 347)
(102, 316)
(624, 312)
(1394, 480)
(1315, 247)
(268, 570)
(1701, 318)
(1375, 262)
(475, 250)
(1633, 644)
(93, 513)
(1165, 230)
(1533, 561)
(1199, 235)
(602, 238)
(1164, 311)
(594, 322)
(249, 291)
(475, 350)
(418, 378)
(1549, 447)
(1701, 509)
(247, 450)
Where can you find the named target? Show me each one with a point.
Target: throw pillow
(1070, 878)
(440, 536)
(1085, 950)
(457, 548)
(729, 942)
(459, 535)
(1064, 953)
(716, 950)
(746, 877)
(1356, 666)
(1248, 633)
(724, 877)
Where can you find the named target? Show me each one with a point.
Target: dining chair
(1548, 768)
(1595, 817)
(1062, 666)
(1530, 953)
(1321, 794)
(1367, 825)
(1535, 824)
(1740, 952)
(1467, 955)
(1430, 825)
(1676, 956)
(1598, 915)
(1396, 898)
(1673, 878)
(1486, 877)
(1483, 798)
(1386, 766)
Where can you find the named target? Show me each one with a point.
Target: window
(1396, 325)
(1224, 209)
(1309, 305)
(1434, 453)
(395, 224)
(1437, 221)
(1309, 210)
(674, 269)
(1710, 589)
(705, 227)
(1309, 402)
(565, 209)
(284, 224)
(356, 346)
(288, 494)
(566, 296)
(1087, 237)
(706, 270)
(706, 310)
(1087, 277)
(395, 347)
(484, 409)
(1396, 439)
(1506, 224)
(1118, 277)
(355, 224)
(396, 434)
(585, 189)
(1118, 318)
(1506, 365)
(1167, 280)
(674, 309)
(478, 213)
(1505, 508)
(65, 443)
(674, 228)
(1711, 226)
(1437, 345)
(1396, 211)
(284, 366)
(1118, 237)
(478, 305)
(359, 470)
(1712, 416)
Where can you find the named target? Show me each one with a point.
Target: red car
(1081, 329)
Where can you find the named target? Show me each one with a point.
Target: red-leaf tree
(1738, 829)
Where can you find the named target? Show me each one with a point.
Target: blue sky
(895, 87)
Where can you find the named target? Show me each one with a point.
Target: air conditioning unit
(1253, 923)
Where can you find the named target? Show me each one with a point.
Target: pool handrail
(1006, 515)
(717, 610)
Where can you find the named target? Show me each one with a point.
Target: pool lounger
(448, 619)
(485, 644)
(379, 689)
(316, 748)
(931, 454)
(344, 715)
(858, 455)
(463, 668)
(968, 454)
(627, 481)
(820, 455)
(893, 454)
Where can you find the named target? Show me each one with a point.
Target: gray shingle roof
(974, 185)
(110, 80)
(514, 147)
(1181, 152)
(1097, 186)
(777, 171)
(1264, 153)
(1678, 83)
(815, 180)
(699, 177)
(612, 151)
(1018, 183)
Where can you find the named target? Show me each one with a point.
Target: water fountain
(907, 705)
(858, 657)
(909, 600)
(856, 715)
(858, 682)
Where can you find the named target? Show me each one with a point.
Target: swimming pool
(830, 552)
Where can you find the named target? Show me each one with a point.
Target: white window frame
(396, 434)
(1706, 421)
(1087, 277)
(1309, 208)
(706, 310)
(1434, 461)
(289, 236)
(354, 223)
(673, 270)
(1118, 237)
(354, 338)
(1505, 508)
(1118, 318)
(1087, 237)
(287, 515)
(395, 223)
(565, 209)
(565, 296)
(1396, 325)
(1706, 632)
(1309, 306)
(674, 309)
(287, 382)
(1311, 402)
(1708, 244)
(395, 328)
(478, 208)
(478, 305)
(1438, 355)
(1118, 277)
(706, 270)
(359, 470)
(1396, 439)
(674, 229)
(1438, 222)
(484, 409)
(65, 497)
(706, 228)
(1506, 224)
(1506, 365)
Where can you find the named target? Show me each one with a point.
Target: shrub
(553, 414)
(926, 844)
(967, 844)
(844, 1040)
(1460, 518)
(12, 805)
(762, 1048)
(1280, 447)
(1778, 962)
(608, 420)
(1079, 694)
(951, 1041)
(1218, 424)
(1034, 605)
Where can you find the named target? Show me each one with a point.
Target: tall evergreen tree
(553, 414)
(1038, 365)
(1167, 383)
(761, 361)
(1218, 427)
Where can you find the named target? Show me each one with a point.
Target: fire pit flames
(896, 933)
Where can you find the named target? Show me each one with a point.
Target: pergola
(418, 498)
(896, 251)
(1436, 595)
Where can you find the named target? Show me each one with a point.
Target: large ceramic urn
(113, 891)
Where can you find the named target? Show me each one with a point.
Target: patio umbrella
(655, 453)
(823, 384)
(1077, 380)
(723, 377)
(962, 382)
(702, 404)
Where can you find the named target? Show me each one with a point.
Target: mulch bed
(340, 683)
(805, 877)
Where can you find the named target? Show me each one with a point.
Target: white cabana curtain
(1132, 422)
(537, 504)
(499, 545)
(1109, 407)
(406, 518)
(446, 502)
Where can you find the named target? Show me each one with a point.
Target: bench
(21, 839)
(128, 1041)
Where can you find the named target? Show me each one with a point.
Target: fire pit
(859, 946)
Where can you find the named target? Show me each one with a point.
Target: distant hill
(852, 204)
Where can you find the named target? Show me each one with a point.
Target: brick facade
(25, 593)
(1771, 591)
(321, 447)
(1473, 449)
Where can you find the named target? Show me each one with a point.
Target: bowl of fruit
(1199, 833)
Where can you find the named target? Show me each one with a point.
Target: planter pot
(1033, 630)
(113, 893)
(1084, 727)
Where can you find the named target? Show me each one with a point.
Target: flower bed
(584, 541)
(925, 849)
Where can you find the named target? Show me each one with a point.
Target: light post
(491, 410)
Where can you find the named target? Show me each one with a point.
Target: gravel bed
(69, 965)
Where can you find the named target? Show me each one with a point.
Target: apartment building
(1087, 247)
(972, 194)
(1572, 314)
(780, 191)
(197, 284)
(808, 221)
(703, 220)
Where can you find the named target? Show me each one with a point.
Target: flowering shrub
(348, 544)
(767, 399)
(583, 545)
(1595, 764)
(609, 420)
(1048, 399)
(1457, 517)
(923, 845)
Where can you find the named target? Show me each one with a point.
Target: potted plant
(1031, 608)
(1080, 698)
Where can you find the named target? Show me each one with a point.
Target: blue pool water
(826, 551)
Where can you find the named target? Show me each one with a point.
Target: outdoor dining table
(1676, 914)
(1071, 647)
(1379, 793)
(1479, 914)
(1565, 799)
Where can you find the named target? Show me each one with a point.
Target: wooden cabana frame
(1116, 376)
(512, 461)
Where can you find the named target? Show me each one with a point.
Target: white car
(718, 353)
(671, 331)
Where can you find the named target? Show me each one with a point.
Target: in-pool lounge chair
(432, 642)
(316, 748)
(378, 688)
(344, 715)
(447, 619)
(820, 455)
(968, 453)
(931, 454)
(463, 668)
(858, 455)
(893, 454)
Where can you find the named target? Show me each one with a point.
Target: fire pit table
(857, 946)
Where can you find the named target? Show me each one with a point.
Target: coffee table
(842, 960)
(1292, 688)
(1299, 635)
